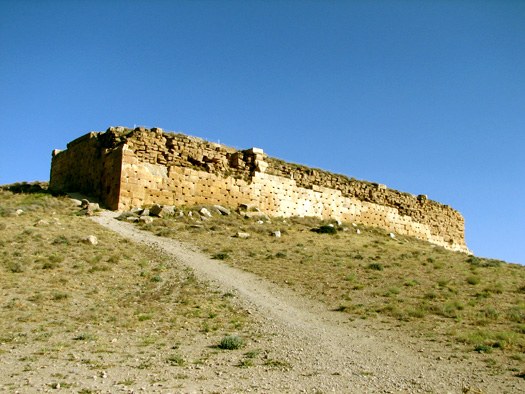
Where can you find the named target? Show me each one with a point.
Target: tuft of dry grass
(430, 292)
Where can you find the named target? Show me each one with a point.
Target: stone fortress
(126, 168)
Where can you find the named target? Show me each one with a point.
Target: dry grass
(472, 304)
(101, 306)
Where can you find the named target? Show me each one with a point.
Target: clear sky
(427, 97)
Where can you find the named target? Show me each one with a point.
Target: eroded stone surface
(128, 168)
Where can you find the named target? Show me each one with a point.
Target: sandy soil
(318, 350)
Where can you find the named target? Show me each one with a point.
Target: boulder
(222, 210)
(91, 208)
(145, 219)
(242, 235)
(90, 239)
(162, 210)
(204, 212)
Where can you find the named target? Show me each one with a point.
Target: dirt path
(326, 352)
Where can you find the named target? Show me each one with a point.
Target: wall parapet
(135, 167)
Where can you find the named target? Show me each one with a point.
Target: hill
(97, 316)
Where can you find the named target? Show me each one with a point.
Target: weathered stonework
(127, 168)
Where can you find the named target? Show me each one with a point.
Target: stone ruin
(126, 168)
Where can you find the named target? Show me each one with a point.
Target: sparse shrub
(490, 313)
(84, 337)
(48, 265)
(418, 312)
(252, 353)
(277, 364)
(479, 262)
(483, 348)
(280, 255)
(325, 230)
(175, 360)
(430, 295)
(58, 296)
(15, 267)
(246, 363)
(473, 280)
(410, 283)
(231, 342)
(220, 256)
(517, 314)
(60, 240)
(376, 266)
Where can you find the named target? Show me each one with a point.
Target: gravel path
(325, 350)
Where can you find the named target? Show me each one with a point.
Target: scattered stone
(331, 225)
(155, 210)
(124, 216)
(260, 222)
(354, 225)
(222, 210)
(162, 210)
(41, 222)
(339, 223)
(144, 212)
(392, 235)
(18, 212)
(90, 239)
(276, 234)
(132, 219)
(145, 219)
(256, 214)
(358, 231)
(76, 202)
(242, 235)
(84, 203)
(204, 212)
(91, 208)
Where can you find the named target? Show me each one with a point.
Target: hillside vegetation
(111, 307)
(473, 306)
(87, 317)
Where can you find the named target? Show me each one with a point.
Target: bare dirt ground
(308, 347)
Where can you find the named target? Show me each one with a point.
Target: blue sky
(426, 97)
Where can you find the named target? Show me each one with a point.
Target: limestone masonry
(128, 168)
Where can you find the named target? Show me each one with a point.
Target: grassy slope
(474, 306)
(99, 307)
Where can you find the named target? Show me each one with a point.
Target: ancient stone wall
(131, 168)
(87, 166)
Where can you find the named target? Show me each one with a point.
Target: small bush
(175, 360)
(231, 342)
(60, 240)
(220, 256)
(15, 267)
(483, 348)
(376, 266)
(325, 230)
(473, 280)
